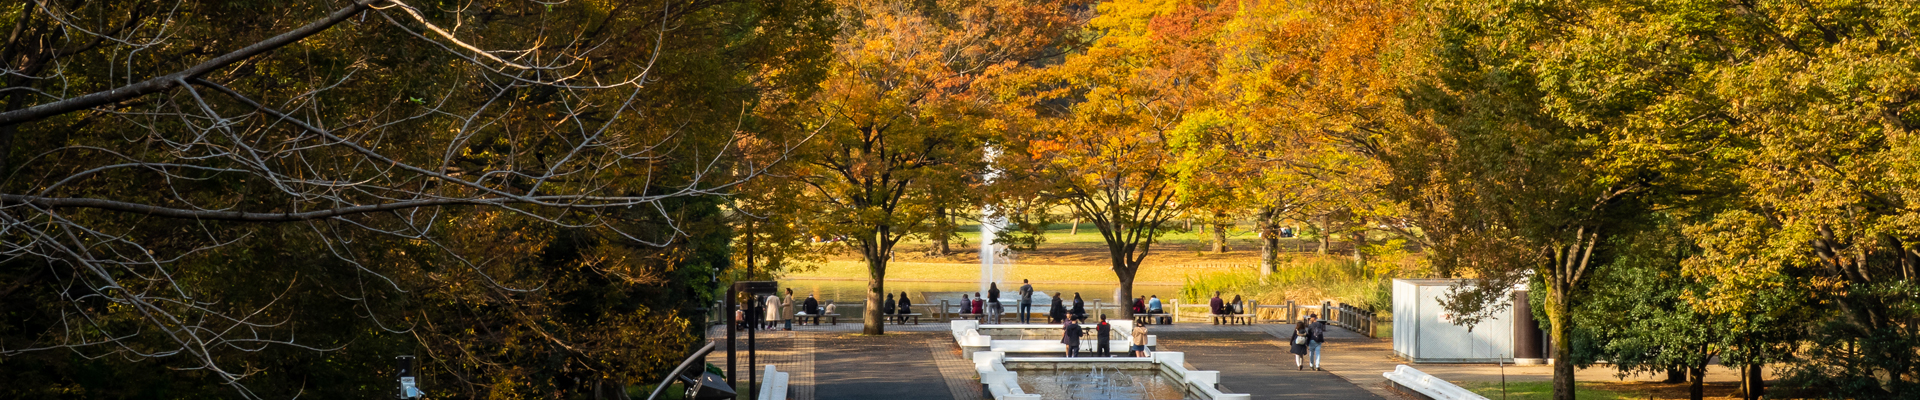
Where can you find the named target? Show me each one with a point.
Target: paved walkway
(1256, 363)
(892, 367)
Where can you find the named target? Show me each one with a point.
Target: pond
(1111, 384)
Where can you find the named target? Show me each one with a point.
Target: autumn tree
(256, 197)
(899, 116)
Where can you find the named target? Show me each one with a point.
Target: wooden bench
(915, 317)
(977, 317)
(1146, 318)
(833, 318)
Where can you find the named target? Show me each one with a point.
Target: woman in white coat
(773, 311)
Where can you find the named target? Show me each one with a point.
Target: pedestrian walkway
(1255, 363)
(891, 367)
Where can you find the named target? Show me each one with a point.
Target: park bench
(1146, 318)
(915, 317)
(832, 318)
(976, 317)
(1233, 319)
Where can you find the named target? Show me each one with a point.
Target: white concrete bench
(775, 385)
(1439, 389)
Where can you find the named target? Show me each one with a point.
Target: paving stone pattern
(895, 366)
(1255, 363)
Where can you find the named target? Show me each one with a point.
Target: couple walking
(1307, 337)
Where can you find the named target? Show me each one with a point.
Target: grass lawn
(1544, 391)
(1606, 390)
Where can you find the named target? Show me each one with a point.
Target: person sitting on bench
(1058, 312)
(1153, 305)
(1140, 305)
(978, 306)
(906, 307)
(1079, 308)
(812, 308)
(887, 308)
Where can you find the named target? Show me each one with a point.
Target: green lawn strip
(1542, 391)
(957, 272)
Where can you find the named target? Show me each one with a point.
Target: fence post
(1175, 310)
(1287, 317)
(943, 311)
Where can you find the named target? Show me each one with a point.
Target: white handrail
(1428, 385)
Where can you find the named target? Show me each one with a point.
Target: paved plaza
(922, 362)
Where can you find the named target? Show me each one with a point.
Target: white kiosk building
(1425, 332)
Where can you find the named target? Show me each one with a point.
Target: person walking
(1070, 336)
(1139, 339)
(906, 307)
(1058, 312)
(994, 309)
(1299, 341)
(1101, 333)
(1316, 335)
(1079, 311)
(1026, 301)
(887, 308)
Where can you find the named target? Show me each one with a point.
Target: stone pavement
(1362, 361)
(1257, 363)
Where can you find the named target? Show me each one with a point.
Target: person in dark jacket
(906, 307)
(1299, 341)
(1216, 305)
(1079, 311)
(1070, 336)
(1102, 332)
(1140, 305)
(887, 308)
(994, 309)
(812, 308)
(1058, 312)
(1316, 334)
(1026, 301)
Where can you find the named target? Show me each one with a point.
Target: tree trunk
(1219, 238)
(946, 228)
(1075, 229)
(1676, 375)
(1698, 389)
(1558, 310)
(1126, 290)
(876, 256)
(1756, 384)
(1360, 243)
(1269, 252)
(1325, 233)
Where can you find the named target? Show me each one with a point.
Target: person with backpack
(1316, 335)
(1299, 340)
